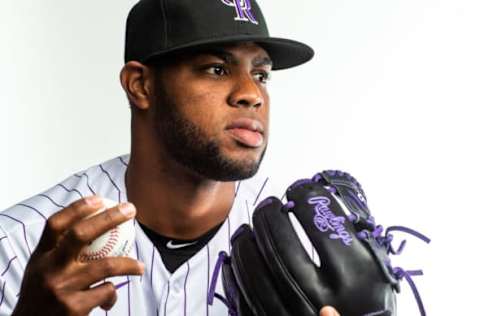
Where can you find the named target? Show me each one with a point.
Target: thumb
(328, 311)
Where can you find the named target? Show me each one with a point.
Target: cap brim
(285, 53)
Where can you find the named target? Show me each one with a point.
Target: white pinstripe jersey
(157, 292)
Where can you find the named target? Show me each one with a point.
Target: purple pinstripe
(166, 299)
(238, 188)
(8, 266)
(151, 268)
(122, 284)
(34, 209)
(68, 190)
(51, 200)
(3, 293)
(260, 192)
(88, 180)
(24, 230)
(136, 250)
(128, 289)
(111, 180)
(185, 290)
(123, 161)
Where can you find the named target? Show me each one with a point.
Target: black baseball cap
(159, 27)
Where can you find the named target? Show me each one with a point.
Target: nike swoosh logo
(170, 245)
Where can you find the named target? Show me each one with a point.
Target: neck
(172, 200)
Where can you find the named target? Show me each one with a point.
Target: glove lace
(232, 309)
(386, 241)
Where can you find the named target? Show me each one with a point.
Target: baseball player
(196, 76)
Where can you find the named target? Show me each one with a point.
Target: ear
(137, 81)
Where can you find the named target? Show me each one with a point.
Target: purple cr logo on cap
(243, 9)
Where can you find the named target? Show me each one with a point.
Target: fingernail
(127, 209)
(93, 200)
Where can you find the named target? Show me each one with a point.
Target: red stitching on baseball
(113, 238)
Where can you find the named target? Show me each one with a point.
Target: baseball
(116, 242)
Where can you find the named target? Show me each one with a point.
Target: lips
(246, 131)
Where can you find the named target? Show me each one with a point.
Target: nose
(246, 93)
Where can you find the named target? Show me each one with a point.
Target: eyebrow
(230, 58)
(262, 61)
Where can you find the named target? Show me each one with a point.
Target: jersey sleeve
(11, 272)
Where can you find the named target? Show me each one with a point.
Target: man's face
(212, 110)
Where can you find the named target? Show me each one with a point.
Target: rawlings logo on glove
(325, 220)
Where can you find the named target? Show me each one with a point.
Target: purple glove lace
(232, 309)
(386, 241)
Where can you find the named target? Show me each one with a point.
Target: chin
(235, 172)
(239, 166)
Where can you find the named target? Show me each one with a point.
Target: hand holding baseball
(57, 281)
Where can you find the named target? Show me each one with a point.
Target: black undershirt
(173, 258)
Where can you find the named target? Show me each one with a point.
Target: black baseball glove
(269, 272)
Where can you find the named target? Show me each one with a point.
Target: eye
(218, 70)
(262, 76)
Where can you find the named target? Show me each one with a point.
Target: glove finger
(254, 277)
(299, 281)
(232, 291)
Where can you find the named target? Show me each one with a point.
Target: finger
(61, 221)
(328, 311)
(95, 271)
(89, 229)
(103, 295)
(110, 300)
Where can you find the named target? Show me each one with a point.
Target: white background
(391, 96)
